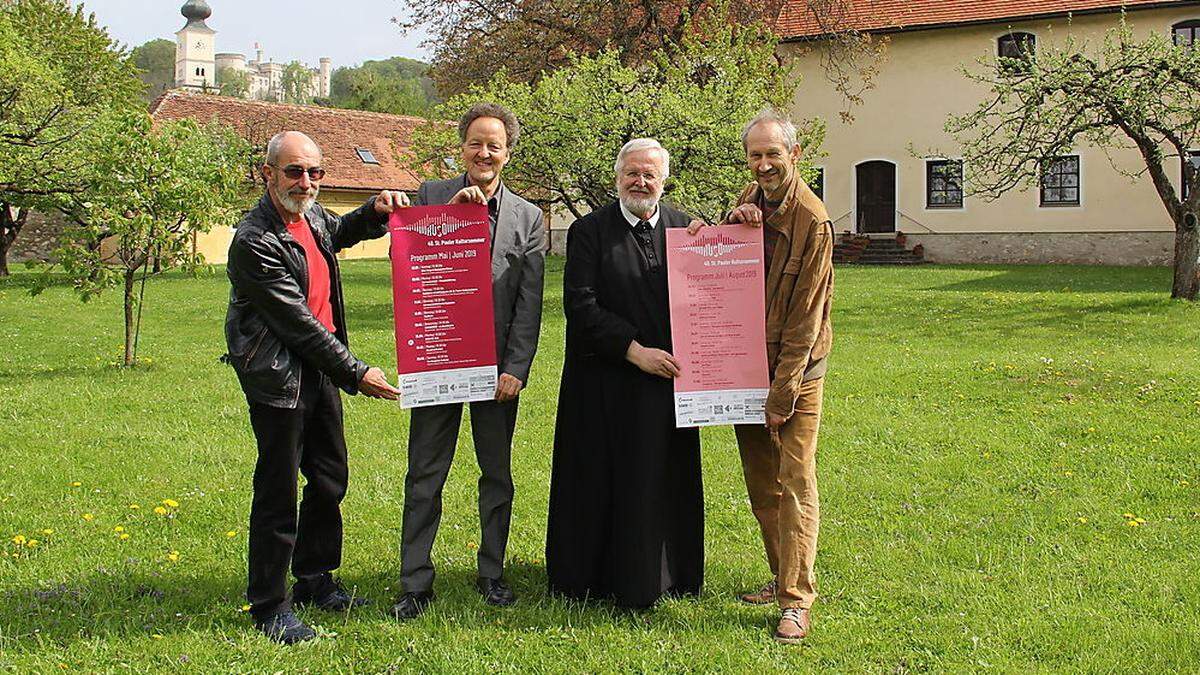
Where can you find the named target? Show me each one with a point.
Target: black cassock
(626, 501)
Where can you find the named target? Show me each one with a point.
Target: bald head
(287, 144)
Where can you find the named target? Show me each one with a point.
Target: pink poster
(442, 289)
(717, 284)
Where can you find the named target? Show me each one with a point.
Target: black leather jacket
(269, 329)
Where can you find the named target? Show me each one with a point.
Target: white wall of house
(1118, 220)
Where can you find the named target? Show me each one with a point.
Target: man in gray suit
(488, 133)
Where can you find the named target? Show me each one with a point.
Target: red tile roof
(797, 22)
(338, 132)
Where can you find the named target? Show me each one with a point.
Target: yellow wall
(215, 244)
(920, 84)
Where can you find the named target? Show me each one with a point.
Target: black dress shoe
(410, 605)
(285, 628)
(495, 592)
(323, 592)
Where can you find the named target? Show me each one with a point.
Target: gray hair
(512, 127)
(786, 128)
(638, 145)
(276, 143)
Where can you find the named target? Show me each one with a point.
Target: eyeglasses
(294, 172)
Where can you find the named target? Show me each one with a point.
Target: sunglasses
(295, 172)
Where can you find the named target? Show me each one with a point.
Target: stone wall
(37, 239)
(1084, 248)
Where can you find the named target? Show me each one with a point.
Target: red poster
(717, 285)
(442, 289)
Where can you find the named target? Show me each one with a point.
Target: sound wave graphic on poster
(717, 246)
(436, 226)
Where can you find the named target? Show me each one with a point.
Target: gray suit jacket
(518, 269)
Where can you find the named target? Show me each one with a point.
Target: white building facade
(197, 63)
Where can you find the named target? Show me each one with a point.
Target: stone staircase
(861, 250)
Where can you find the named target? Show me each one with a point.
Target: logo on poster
(716, 246)
(436, 226)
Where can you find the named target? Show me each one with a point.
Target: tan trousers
(781, 479)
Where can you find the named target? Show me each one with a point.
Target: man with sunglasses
(286, 334)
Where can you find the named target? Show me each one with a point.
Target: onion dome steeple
(196, 11)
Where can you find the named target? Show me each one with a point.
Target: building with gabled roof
(797, 22)
(873, 183)
(360, 150)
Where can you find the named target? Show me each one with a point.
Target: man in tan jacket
(779, 460)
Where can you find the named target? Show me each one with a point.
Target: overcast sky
(348, 31)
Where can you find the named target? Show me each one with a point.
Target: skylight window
(366, 156)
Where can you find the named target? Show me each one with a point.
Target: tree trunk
(10, 227)
(1187, 257)
(130, 275)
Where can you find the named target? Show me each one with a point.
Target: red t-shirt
(318, 273)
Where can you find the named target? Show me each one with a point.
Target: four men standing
(626, 501)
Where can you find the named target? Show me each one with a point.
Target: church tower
(195, 57)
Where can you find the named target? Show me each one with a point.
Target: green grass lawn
(1008, 469)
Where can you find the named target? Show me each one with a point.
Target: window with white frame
(943, 184)
(1060, 181)
(818, 182)
(1193, 156)
(1015, 52)
(1186, 33)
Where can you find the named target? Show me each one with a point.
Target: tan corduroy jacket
(799, 293)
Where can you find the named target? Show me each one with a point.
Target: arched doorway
(875, 196)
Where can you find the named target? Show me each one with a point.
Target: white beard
(294, 205)
(640, 205)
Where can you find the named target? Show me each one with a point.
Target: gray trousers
(432, 437)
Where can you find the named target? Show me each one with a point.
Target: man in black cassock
(626, 501)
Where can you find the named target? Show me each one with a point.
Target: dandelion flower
(1132, 523)
(1128, 515)
(156, 636)
(1140, 521)
(76, 484)
(173, 556)
(231, 533)
(89, 517)
(170, 503)
(32, 543)
(160, 510)
(134, 507)
(124, 536)
(118, 529)
(1082, 519)
(245, 608)
(19, 540)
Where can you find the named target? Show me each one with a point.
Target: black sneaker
(495, 592)
(285, 628)
(324, 592)
(410, 605)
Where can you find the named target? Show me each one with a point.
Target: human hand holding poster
(442, 289)
(717, 282)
